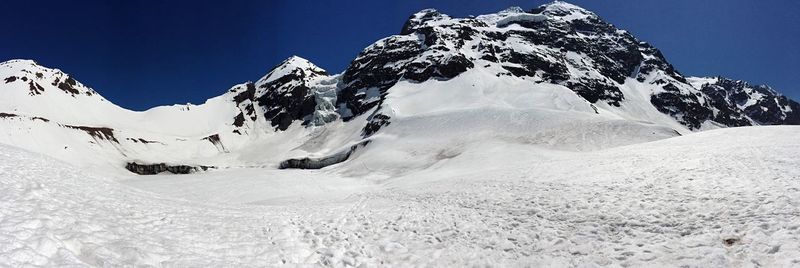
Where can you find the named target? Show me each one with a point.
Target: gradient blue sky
(140, 54)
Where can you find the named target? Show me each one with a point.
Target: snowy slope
(87, 130)
(690, 200)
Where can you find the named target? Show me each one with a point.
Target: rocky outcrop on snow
(318, 163)
(244, 100)
(99, 133)
(153, 169)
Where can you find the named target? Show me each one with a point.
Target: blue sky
(140, 54)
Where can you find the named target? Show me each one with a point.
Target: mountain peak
(293, 65)
(29, 75)
(514, 9)
(564, 10)
(563, 6)
(19, 62)
(420, 18)
(297, 60)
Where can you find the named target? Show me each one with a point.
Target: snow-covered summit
(288, 93)
(564, 10)
(513, 9)
(36, 77)
(293, 65)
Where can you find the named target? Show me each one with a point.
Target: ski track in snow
(713, 199)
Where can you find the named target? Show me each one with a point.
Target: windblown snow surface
(719, 198)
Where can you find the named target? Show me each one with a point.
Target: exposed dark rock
(35, 88)
(447, 68)
(40, 118)
(318, 163)
(247, 94)
(289, 97)
(238, 121)
(153, 169)
(244, 100)
(7, 115)
(102, 133)
(417, 19)
(589, 56)
(738, 100)
(68, 86)
(141, 140)
(596, 90)
(32, 118)
(383, 64)
(427, 50)
(215, 140)
(375, 70)
(730, 241)
(376, 122)
(684, 108)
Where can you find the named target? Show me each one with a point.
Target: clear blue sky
(140, 54)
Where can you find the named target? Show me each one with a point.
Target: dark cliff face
(557, 43)
(420, 53)
(244, 99)
(153, 169)
(285, 94)
(755, 104)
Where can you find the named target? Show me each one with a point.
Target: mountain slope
(558, 43)
(758, 104)
(527, 74)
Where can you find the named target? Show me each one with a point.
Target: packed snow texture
(719, 198)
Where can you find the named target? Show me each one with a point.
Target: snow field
(719, 198)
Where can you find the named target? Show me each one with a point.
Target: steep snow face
(755, 104)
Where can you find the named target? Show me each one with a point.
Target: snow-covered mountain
(754, 104)
(516, 74)
(545, 137)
